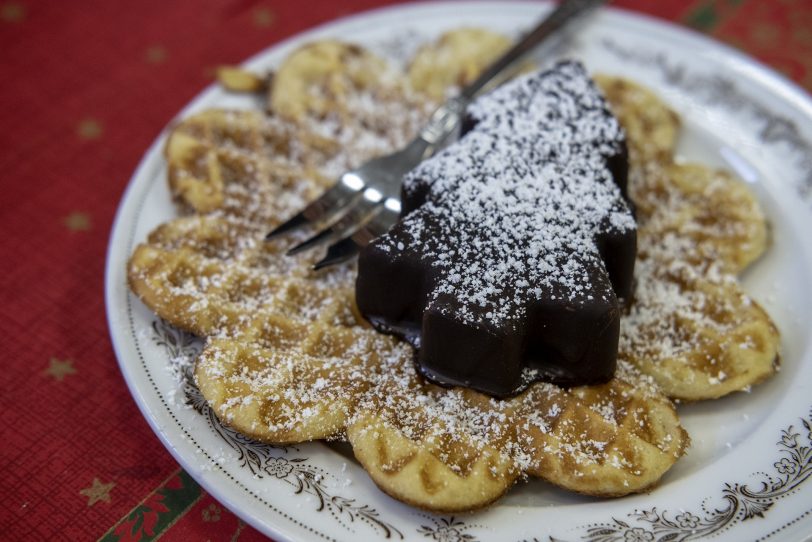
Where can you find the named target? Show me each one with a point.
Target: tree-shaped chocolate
(516, 245)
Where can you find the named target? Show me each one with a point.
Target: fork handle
(445, 120)
(561, 15)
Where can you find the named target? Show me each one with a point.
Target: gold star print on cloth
(288, 358)
(97, 492)
(59, 369)
(155, 54)
(12, 12)
(262, 17)
(77, 221)
(89, 129)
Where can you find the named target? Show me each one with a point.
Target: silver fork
(365, 202)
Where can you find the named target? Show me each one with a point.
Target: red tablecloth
(86, 86)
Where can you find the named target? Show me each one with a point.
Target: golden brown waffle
(454, 60)
(457, 449)
(332, 80)
(224, 160)
(288, 359)
(691, 326)
(651, 127)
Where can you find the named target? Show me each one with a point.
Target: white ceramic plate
(746, 476)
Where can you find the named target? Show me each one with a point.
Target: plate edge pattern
(263, 461)
(719, 91)
(792, 468)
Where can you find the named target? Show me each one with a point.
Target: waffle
(691, 326)
(651, 126)
(288, 359)
(454, 60)
(329, 78)
(301, 366)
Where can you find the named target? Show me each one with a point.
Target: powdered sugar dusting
(514, 208)
(287, 344)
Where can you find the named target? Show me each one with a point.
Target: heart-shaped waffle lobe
(288, 359)
(457, 449)
(456, 59)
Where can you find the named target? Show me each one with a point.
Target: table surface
(86, 88)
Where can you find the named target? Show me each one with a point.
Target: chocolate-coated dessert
(515, 248)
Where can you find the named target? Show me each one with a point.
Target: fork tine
(357, 215)
(347, 248)
(337, 253)
(293, 223)
(327, 206)
(323, 236)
